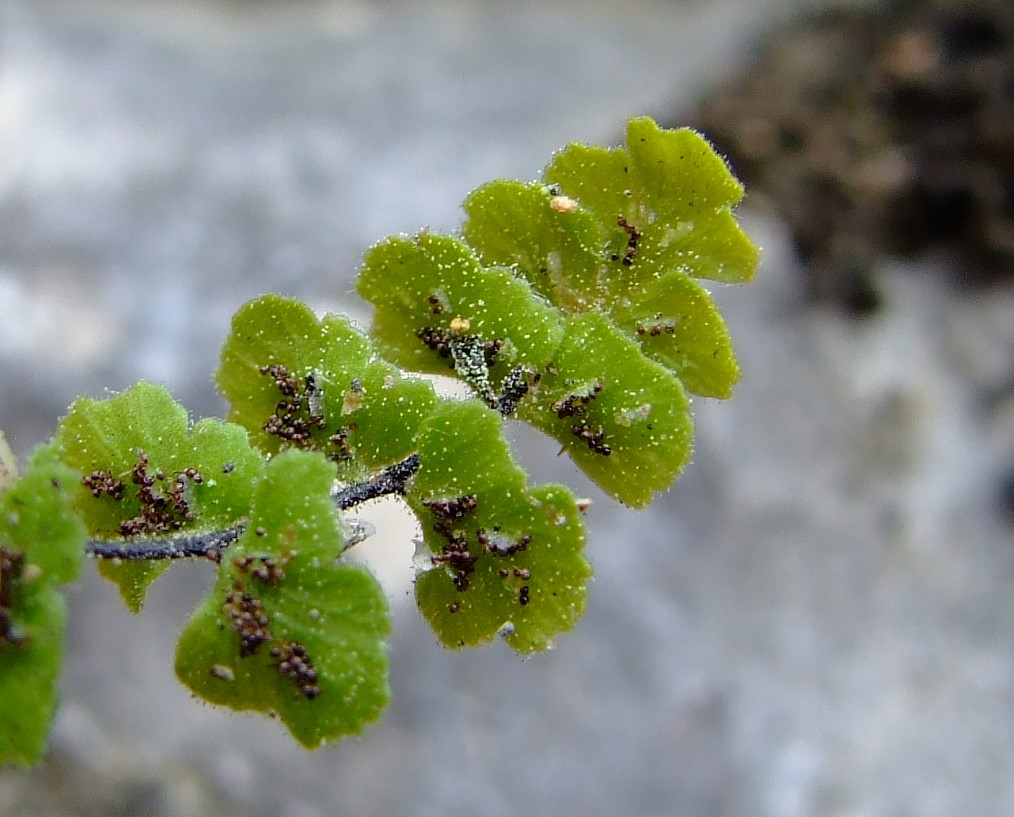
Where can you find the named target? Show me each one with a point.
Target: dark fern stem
(205, 544)
(391, 480)
(210, 544)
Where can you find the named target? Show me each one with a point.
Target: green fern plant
(572, 304)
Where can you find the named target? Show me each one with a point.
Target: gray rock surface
(817, 620)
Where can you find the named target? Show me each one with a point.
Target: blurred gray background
(817, 620)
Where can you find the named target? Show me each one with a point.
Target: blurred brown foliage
(881, 131)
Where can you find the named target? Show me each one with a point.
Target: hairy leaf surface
(499, 557)
(41, 547)
(436, 282)
(622, 231)
(201, 477)
(316, 657)
(546, 238)
(602, 393)
(671, 187)
(677, 324)
(358, 410)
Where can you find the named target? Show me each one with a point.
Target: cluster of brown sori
(163, 505)
(458, 558)
(293, 419)
(295, 664)
(250, 621)
(576, 405)
(300, 412)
